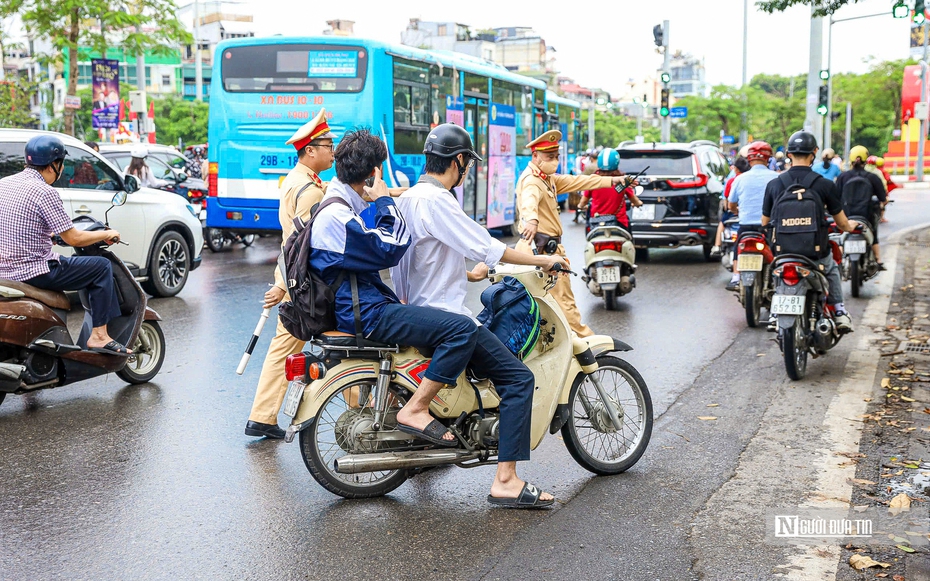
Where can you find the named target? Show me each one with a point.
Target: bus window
(442, 86)
(553, 109)
(523, 103)
(294, 68)
(502, 93)
(570, 122)
(476, 84)
(411, 106)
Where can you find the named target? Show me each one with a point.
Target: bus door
(475, 195)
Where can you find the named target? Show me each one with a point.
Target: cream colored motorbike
(343, 400)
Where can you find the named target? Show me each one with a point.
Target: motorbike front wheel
(335, 433)
(216, 239)
(248, 239)
(794, 348)
(589, 434)
(752, 299)
(148, 355)
(854, 281)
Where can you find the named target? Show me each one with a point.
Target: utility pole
(666, 67)
(828, 121)
(744, 132)
(813, 123)
(591, 141)
(919, 171)
(198, 57)
(846, 145)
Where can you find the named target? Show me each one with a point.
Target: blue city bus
(565, 115)
(264, 89)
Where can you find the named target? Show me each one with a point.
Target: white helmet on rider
(139, 151)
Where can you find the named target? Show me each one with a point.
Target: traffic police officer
(539, 213)
(300, 191)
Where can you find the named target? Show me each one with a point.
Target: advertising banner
(502, 165)
(910, 91)
(105, 86)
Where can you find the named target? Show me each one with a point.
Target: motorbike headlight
(192, 211)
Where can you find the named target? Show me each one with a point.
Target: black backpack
(857, 196)
(310, 311)
(797, 218)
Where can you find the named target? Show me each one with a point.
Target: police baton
(248, 350)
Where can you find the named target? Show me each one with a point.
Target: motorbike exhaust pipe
(357, 463)
(825, 328)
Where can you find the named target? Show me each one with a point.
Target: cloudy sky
(607, 46)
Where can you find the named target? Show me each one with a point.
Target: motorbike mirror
(181, 177)
(130, 183)
(119, 198)
(638, 190)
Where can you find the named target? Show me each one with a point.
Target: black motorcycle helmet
(449, 140)
(802, 142)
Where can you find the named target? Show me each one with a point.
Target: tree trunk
(73, 34)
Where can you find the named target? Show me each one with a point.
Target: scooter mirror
(639, 190)
(181, 177)
(119, 198)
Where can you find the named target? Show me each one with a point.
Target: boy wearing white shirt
(432, 274)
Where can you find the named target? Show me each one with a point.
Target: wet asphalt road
(101, 479)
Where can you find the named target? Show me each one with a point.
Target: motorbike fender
(317, 392)
(151, 315)
(596, 345)
(786, 321)
(747, 278)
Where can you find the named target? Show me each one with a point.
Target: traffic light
(663, 107)
(657, 34)
(824, 75)
(919, 10)
(822, 106)
(666, 78)
(900, 10)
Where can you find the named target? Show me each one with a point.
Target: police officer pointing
(539, 213)
(300, 191)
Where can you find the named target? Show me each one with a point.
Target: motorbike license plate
(295, 391)
(608, 274)
(787, 305)
(854, 247)
(644, 212)
(749, 262)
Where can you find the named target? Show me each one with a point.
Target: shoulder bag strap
(359, 333)
(300, 192)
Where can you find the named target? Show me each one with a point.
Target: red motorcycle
(754, 261)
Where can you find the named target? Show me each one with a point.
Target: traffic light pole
(666, 122)
(813, 122)
(919, 170)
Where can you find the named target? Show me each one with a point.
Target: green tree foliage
(176, 119)
(610, 128)
(822, 7)
(15, 93)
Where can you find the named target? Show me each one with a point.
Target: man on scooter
(344, 246)
(747, 194)
(608, 201)
(431, 274)
(32, 212)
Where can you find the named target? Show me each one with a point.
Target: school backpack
(857, 195)
(797, 218)
(311, 310)
(511, 313)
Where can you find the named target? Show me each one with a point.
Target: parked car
(681, 195)
(162, 231)
(165, 162)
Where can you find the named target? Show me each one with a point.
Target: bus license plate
(608, 274)
(295, 391)
(644, 212)
(854, 247)
(787, 305)
(749, 262)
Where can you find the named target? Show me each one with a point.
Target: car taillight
(212, 186)
(614, 245)
(297, 366)
(698, 231)
(699, 181)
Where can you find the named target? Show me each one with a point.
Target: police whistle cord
(248, 350)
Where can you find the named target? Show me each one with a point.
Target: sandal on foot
(529, 498)
(112, 348)
(433, 433)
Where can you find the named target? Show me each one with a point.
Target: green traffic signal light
(824, 75)
(666, 77)
(822, 110)
(900, 10)
(919, 12)
(663, 111)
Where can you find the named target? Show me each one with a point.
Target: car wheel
(169, 265)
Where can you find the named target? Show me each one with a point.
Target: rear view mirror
(181, 177)
(130, 183)
(638, 190)
(119, 198)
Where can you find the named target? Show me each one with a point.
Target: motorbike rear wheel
(794, 348)
(752, 300)
(216, 239)
(854, 281)
(589, 434)
(610, 300)
(248, 239)
(327, 438)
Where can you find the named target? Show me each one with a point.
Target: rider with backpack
(794, 204)
(857, 187)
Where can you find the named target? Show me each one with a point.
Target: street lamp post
(744, 132)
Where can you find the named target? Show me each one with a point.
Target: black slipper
(433, 433)
(529, 498)
(112, 348)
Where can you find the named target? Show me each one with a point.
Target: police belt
(546, 244)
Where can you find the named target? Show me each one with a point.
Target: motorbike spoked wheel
(752, 300)
(610, 300)
(331, 433)
(855, 282)
(589, 434)
(248, 239)
(794, 348)
(148, 355)
(216, 239)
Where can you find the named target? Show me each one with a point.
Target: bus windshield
(294, 68)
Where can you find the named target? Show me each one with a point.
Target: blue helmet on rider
(45, 150)
(608, 160)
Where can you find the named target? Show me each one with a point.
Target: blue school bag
(511, 313)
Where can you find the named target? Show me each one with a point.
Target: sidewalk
(894, 453)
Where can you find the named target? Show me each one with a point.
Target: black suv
(681, 197)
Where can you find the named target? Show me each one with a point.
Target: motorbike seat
(336, 339)
(51, 299)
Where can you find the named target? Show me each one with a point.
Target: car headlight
(192, 211)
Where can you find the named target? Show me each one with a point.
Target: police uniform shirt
(292, 206)
(822, 187)
(536, 196)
